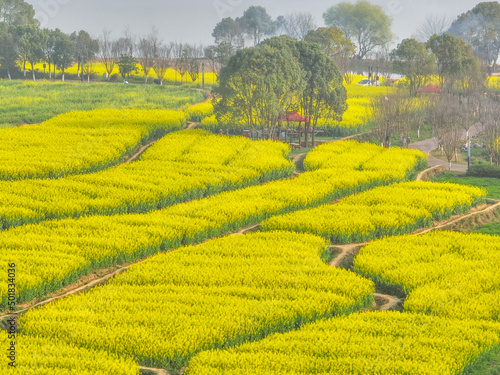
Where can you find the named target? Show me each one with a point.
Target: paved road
(428, 145)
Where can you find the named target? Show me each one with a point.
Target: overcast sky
(192, 21)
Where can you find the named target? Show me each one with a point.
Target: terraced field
(194, 298)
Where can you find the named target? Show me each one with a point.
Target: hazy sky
(193, 20)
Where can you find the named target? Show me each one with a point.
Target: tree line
(24, 43)
(356, 32)
(353, 33)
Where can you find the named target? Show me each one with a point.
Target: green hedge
(484, 171)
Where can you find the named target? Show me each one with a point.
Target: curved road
(428, 145)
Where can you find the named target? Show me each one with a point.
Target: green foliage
(335, 45)
(454, 60)
(412, 59)
(8, 47)
(257, 86)
(484, 171)
(64, 50)
(86, 47)
(31, 41)
(492, 185)
(127, 64)
(228, 32)
(256, 23)
(364, 23)
(480, 27)
(17, 12)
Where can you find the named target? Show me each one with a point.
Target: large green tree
(49, 48)
(17, 13)
(257, 86)
(480, 27)
(64, 51)
(335, 45)
(256, 23)
(454, 60)
(8, 48)
(322, 93)
(414, 60)
(31, 41)
(228, 32)
(364, 23)
(86, 49)
(262, 83)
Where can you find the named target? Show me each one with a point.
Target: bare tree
(195, 55)
(146, 51)
(162, 60)
(296, 25)
(447, 126)
(490, 123)
(386, 124)
(108, 52)
(125, 45)
(420, 112)
(89, 68)
(433, 25)
(182, 60)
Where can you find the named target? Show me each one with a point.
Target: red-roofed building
(294, 117)
(430, 88)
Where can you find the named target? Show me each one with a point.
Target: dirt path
(476, 211)
(386, 301)
(157, 371)
(192, 125)
(98, 277)
(137, 153)
(429, 172)
(242, 231)
(70, 290)
(298, 160)
(351, 250)
(345, 254)
(345, 251)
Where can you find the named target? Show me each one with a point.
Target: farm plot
(182, 166)
(35, 102)
(219, 294)
(383, 211)
(446, 274)
(41, 356)
(80, 142)
(100, 241)
(389, 343)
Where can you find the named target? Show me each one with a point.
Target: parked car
(368, 82)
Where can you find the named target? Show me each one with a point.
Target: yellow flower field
(446, 274)
(80, 142)
(98, 69)
(26, 102)
(182, 166)
(40, 356)
(389, 343)
(87, 243)
(223, 292)
(380, 212)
